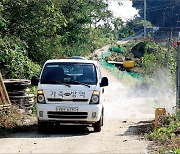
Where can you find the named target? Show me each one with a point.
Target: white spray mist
(139, 102)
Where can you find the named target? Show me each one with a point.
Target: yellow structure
(128, 63)
(159, 113)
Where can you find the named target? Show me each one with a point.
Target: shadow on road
(139, 128)
(31, 131)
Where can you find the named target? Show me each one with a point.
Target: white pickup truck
(70, 91)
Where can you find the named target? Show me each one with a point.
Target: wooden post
(4, 98)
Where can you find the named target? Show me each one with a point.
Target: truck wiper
(55, 82)
(81, 83)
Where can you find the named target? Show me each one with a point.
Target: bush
(14, 62)
(143, 47)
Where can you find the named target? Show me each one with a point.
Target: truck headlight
(95, 97)
(40, 97)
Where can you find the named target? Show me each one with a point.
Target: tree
(160, 13)
(34, 22)
(82, 17)
(137, 24)
(51, 28)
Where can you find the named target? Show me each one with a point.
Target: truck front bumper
(88, 113)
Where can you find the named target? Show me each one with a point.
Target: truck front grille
(67, 115)
(63, 100)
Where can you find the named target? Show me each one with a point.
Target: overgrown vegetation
(33, 31)
(8, 119)
(12, 120)
(149, 57)
(167, 136)
(14, 61)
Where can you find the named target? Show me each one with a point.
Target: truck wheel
(42, 126)
(97, 125)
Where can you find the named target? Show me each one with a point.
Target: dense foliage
(32, 31)
(14, 62)
(163, 13)
(134, 27)
(137, 24)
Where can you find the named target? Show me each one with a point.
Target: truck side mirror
(34, 81)
(104, 82)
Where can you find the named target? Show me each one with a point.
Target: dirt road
(119, 133)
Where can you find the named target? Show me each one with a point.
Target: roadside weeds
(166, 138)
(12, 121)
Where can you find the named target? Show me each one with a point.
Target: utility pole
(145, 5)
(169, 45)
(178, 78)
(107, 10)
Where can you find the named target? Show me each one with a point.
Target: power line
(145, 18)
(159, 6)
(152, 10)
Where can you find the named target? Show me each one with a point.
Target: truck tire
(42, 126)
(98, 125)
(103, 117)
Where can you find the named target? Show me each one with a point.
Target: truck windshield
(69, 73)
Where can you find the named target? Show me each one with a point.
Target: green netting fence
(116, 49)
(112, 68)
